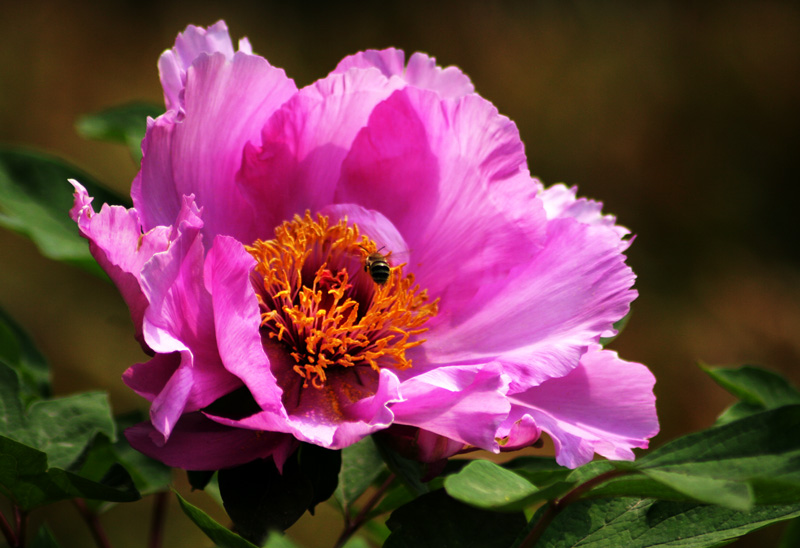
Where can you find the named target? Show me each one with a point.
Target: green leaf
(198, 479)
(746, 462)
(540, 471)
(791, 536)
(361, 465)
(35, 199)
(125, 124)
(396, 496)
(436, 520)
(484, 484)
(44, 539)
(279, 540)
(758, 388)
(26, 478)
(259, 498)
(149, 475)
(619, 326)
(755, 385)
(220, 535)
(409, 471)
(62, 427)
(321, 466)
(640, 523)
(759, 452)
(18, 351)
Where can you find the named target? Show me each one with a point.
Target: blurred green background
(683, 119)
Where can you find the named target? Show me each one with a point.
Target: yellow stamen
(323, 314)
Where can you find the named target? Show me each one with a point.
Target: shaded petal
(421, 71)
(148, 379)
(180, 319)
(304, 143)
(118, 245)
(324, 416)
(560, 302)
(198, 443)
(237, 320)
(466, 404)
(374, 225)
(226, 103)
(604, 406)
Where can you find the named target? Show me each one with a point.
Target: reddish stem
(159, 515)
(91, 519)
(22, 525)
(555, 507)
(8, 532)
(353, 525)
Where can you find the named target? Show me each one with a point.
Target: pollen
(318, 302)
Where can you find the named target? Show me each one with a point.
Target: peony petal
(149, 379)
(374, 225)
(322, 418)
(558, 304)
(421, 71)
(237, 320)
(604, 406)
(466, 404)
(560, 201)
(180, 319)
(190, 44)
(118, 245)
(304, 143)
(226, 103)
(201, 444)
(430, 166)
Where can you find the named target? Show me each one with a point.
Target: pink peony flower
(248, 263)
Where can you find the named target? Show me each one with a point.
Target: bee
(377, 267)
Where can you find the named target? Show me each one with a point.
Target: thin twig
(91, 519)
(555, 507)
(159, 515)
(8, 532)
(353, 525)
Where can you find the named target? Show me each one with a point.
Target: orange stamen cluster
(312, 304)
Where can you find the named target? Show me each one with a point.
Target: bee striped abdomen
(378, 268)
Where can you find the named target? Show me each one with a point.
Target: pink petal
(180, 319)
(558, 303)
(226, 103)
(200, 444)
(237, 320)
(190, 44)
(421, 71)
(560, 201)
(321, 418)
(149, 379)
(304, 143)
(374, 225)
(118, 245)
(466, 404)
(604, 406)
(429, 166)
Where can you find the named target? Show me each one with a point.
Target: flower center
(320, 299)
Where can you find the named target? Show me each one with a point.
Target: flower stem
(353, 525)
(91, 519)
(556, 506)
(8, 532)
(22, 524)
(157, 523)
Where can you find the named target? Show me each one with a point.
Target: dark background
(684, 120)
